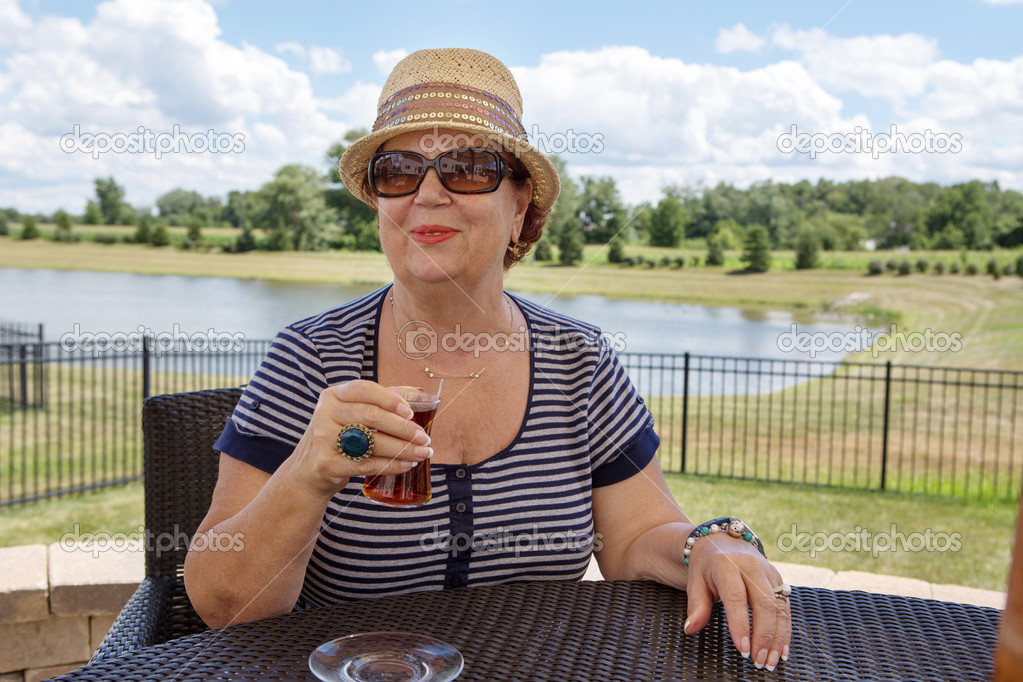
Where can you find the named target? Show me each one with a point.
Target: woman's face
(435, 235)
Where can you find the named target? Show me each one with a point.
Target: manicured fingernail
(422, 438)
(685, 627)
(785, 653)
(744, 647)
(425, 453)
(761, 658)
(405, 411)
(406, 464)
(772, 661)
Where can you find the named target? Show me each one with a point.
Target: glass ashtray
(386, 657)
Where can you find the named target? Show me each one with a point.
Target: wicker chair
(180, 473)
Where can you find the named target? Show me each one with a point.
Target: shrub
(105, 238)
(757, 256)
(972, 269)
(954, 268)
(715, 251)
(4, 228)
(1008, 269)
(905, 268)
(808, 247)
(160, 237)
(1019, 266)
(875, 267)
(939, 267)
(665, 262)
(892, 265)
(144, 231)
(63, 232)
(29, 229)
(680, 262)
(922, 264)
(615, 251)
(544, 251)
(992, 266)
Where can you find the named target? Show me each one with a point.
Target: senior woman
(542, 452)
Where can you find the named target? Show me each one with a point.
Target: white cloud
(892, 67)
(385, 60)
(13, 23)
(158, 66)
(327, 60)
(291, 47)
(738, 39)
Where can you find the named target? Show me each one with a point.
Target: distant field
(987, 313)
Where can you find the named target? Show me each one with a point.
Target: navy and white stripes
(521, 514)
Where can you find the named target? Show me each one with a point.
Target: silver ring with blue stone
(355, 442)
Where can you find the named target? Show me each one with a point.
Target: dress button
(253, 404)
(455, 580)
(460, 507)
(461, 472)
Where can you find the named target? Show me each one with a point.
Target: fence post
(685, 408)
(887, 411)
(23, 373)
(145, 367)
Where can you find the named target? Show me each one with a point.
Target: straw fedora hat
(457, 89)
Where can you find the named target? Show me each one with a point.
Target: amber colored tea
(411, 488)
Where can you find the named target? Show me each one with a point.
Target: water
(118, 302)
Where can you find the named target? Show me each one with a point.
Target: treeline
(302, 208)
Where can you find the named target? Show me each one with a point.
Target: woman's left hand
(729, 569)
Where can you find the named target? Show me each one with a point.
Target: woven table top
(594, 631)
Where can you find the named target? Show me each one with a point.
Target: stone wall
(57, 603)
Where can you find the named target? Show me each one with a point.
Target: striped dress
(521, 514)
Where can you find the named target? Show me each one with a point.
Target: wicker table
(596, 631)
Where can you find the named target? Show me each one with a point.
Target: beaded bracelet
(725, 524)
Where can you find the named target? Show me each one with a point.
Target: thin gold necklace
(434, 373)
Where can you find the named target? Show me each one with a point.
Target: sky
(214, 96)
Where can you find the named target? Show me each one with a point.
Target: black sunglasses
(463, 171)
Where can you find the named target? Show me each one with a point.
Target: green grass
(981, 561)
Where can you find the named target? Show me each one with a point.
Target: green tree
(616, 250)
(236, 211)
(177, 205)
(63, 222)
(193, 239)
(668, 222)
(29, 229)
(160, 236)
(544, 252)
(601, 212)
(566, 208)
(965, 208)
(715, 250)
(245, 241)
(109, 197)
(144, 231)
(570, 242)
(293, 210)
(807, 250)
(358, 222)
(4, 228)
(757, 255)
(92, 215)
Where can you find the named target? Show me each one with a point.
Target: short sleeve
(277, 404)
(621, 428)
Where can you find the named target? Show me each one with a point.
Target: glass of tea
(411, 488)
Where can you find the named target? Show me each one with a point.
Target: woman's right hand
(398, 442)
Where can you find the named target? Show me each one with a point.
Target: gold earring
(518, 249)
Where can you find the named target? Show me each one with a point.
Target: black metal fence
(870, 426)
(19, 351)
